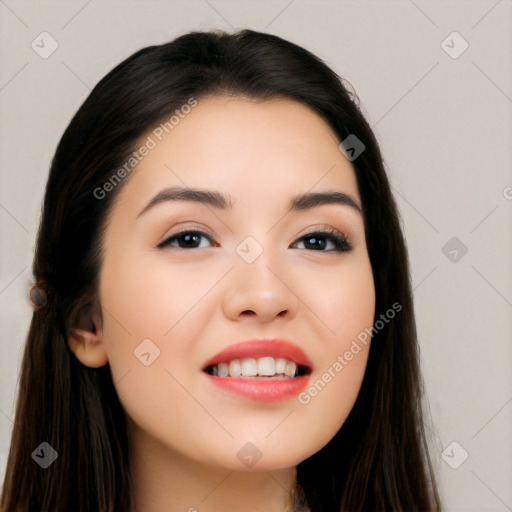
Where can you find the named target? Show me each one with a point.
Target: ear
(86, 340)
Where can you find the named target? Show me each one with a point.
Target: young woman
(223, 315)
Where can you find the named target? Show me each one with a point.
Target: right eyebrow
(211, 197)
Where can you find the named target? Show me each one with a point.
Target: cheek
(152, 320)
(343, 301)
(148, 297)
(346, 307)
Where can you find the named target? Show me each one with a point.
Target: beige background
(445, 127)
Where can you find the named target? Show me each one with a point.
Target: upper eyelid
(322, 227)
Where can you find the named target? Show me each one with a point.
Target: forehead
(251, 149)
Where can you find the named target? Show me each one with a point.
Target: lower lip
(262, 390)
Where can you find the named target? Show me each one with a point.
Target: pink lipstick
(268, 370)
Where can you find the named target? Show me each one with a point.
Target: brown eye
(319, 240)
(185, 240)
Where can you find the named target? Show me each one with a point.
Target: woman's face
(171, 302)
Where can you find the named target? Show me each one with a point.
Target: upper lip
(262, 348)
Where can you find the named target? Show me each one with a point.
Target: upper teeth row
(250, 367)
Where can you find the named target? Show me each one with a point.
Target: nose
(259, 290)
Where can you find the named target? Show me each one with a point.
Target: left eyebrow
(312, 199)
(221, 201)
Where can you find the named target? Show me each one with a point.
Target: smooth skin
(193, 299)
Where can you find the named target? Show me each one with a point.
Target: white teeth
(290, 368)
(251, 367)
(222, 370)
(280, 365)
(235, 369)
(266, 366)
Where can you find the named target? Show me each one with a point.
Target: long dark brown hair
(379, 459)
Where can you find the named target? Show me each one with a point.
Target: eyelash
(340, 241)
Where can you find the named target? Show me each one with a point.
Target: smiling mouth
(263, 368)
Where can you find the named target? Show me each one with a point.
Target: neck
(166, 481)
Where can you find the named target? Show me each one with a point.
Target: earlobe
(86, 342)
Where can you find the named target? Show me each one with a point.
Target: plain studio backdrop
(435, 83)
